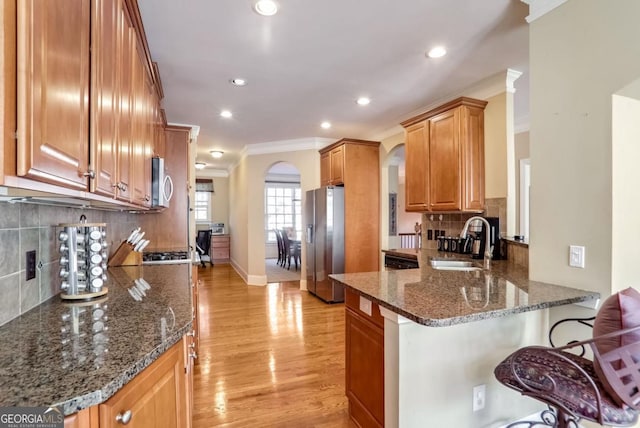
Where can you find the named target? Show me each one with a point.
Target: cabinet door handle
(91, 174)
(124, 418)
(193, 354)
(192, 333)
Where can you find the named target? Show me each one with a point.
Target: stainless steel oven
(394, 261)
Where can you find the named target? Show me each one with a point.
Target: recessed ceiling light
(238, 82)
(216, 153)
(200, 165)
(363, 101)
(325, 125)
(437, 52)
(266, 7)
(226, 113)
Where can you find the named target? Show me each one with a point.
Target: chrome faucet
(488, 248)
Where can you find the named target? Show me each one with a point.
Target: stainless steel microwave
(161, 184)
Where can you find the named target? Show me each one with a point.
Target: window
(282, 208)
(202, 206)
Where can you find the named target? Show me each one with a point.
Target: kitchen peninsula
(86, 356)
(442, 332)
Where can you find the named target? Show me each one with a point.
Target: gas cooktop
(165, 257)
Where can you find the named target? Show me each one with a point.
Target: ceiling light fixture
(238, 82)
(266, 7)
(216, 153)
(200, 165)
(226, 114)
(325, 125)
(437, 52)
(363, 101)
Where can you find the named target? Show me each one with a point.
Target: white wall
(625, 254)
(580, 55)
(430, 372)
(521, 152)
(495, 146)
(220, 201)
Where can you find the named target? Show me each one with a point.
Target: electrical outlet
(576, 256)
(30, 268)
(479, 397)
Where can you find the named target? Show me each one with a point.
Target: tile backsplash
(25, 227)
(452, 224)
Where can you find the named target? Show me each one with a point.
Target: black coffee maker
(479, 243)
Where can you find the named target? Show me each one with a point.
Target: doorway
(282, 213)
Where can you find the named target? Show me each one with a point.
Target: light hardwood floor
(269, 356)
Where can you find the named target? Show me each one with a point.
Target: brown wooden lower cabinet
(364, 362)
(157, 397)
(220, 248)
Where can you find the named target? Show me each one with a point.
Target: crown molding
(539, 8)
(212, 173)
(314, 143)
(512, 76)
(193, 134)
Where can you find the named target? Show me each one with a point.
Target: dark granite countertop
(409, 253)
(439, 298)
(511, 241)
(76, 355)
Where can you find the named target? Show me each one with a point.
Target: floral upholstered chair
(605, 390)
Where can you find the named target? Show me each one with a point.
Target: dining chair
(280, 247)
(203, 246)
(291, 250)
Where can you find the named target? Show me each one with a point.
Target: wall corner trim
(539, 8)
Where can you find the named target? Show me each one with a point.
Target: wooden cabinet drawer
(220, 253)
(352, 300)
(220, 242)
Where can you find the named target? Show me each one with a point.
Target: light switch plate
(576, 256)
(365, 305)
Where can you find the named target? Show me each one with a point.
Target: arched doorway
(283, 212)
(395, 219)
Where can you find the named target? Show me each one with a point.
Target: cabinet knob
(193, 354)
(192, 333)
(91, 174)
(124, 418)
(122, 186)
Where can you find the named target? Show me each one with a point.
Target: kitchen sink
(463, 265)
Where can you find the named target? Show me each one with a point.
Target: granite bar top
(440, 298)
(76, 355)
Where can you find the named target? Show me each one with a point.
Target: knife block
(125, 256)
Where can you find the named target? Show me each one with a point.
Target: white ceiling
(312, 60)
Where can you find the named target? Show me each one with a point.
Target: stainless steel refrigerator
(324, 240)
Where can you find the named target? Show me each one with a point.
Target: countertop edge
(447, 322)
(99, 396)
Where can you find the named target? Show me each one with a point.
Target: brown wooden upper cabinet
(97, 136)
(332, 166)
(444, 158)
(53, 92)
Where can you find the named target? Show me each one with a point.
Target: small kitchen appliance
(161, 184)
(83, 260)
(217, 228)
(479, 243)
